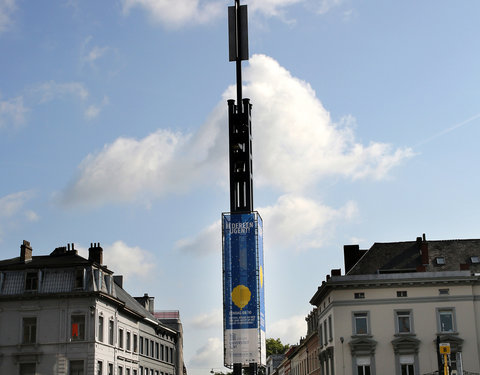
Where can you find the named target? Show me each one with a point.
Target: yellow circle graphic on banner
(241, 296)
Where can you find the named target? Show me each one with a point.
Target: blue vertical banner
(243, 289)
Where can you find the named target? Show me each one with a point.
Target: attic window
(444, 292)
(79, 278)
(440, 261)
(401, 293)
(31, 281)
(359, 295)
(475, 260)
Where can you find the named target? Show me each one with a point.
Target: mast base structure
(243, 291)
(242, 227)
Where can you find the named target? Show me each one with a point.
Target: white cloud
(12, 112)
(205, 242)
(299, 223)
(271, 7)
(94, 110)
(293, 222)
(327, 5)
(129, 261)
(295, 146)
(177, 13)
(11, 204)
(289, 330)
(209, 355)
(12, 210)
(205, 321)
(48, 91)
(7, 7)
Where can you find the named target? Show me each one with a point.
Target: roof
(70, 258)
(407, 256)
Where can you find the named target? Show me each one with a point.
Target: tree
(275, 346)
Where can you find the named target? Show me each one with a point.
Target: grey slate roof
(406, 256)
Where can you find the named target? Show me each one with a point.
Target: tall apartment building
(395, 304)
(63, 314)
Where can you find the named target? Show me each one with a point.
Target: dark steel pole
(239, 60)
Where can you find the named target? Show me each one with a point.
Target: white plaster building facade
(62, 314)
(396, 303)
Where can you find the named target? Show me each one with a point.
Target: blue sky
(113, 121)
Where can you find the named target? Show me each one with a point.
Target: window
(407, 364)
(166, 354)
(141, 345)
(474, 260)
(134, 372)
(324, 332)
(359, 295)
(78, 327)
(100, 328)
(320, 334)
(99, 368)
(146, 346)
(120, 370)
(110, 369)
(152, 344)
(128, 341)
(401, 293)
(79, 278)
(120, 338)
(330, 331)
(446, 320)
(76, 368)
(440, 261)
(161, 352)
(110, 332)
(31, 281)
(444, 292)
(27, 369)
(135, 343)
(127, 371)
(157, 350)
(363, 365)
(404, 322)
(360, 323)
(29, 330)
(171, 355)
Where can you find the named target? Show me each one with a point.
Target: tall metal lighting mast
(242, 227)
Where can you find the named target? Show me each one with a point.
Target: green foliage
(275, 346)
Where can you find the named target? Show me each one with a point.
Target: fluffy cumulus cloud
(292, 222)
(296, 144)
(129, 261)
(12, 112)
(209, 354)
(289, 329)
(177, 13)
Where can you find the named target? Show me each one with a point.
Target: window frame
(401, 313)
(29, 322)
(100, 328)
(451, 310)
(82, 322)
(31, 277)
(360, 314)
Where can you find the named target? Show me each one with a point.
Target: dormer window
(79, 278)
(475, 260)
(31, 281)
(440, 261)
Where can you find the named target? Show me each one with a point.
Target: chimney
(25, 252)
(422, 242)
(118, 279)
(351, 255)
(95, 253)
(336, 272)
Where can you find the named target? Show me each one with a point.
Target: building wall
(423, 302)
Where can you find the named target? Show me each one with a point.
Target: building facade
(63, 314)
(395, 304)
